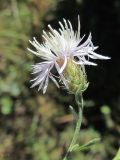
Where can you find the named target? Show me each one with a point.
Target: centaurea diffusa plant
(65, 51)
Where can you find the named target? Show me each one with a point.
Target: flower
(58, 48)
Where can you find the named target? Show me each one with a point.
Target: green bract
(76, 77)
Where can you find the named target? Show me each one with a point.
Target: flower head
(59, 49)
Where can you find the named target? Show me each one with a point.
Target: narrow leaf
(73, 112)
(87, 145)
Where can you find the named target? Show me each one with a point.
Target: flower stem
(78, 124)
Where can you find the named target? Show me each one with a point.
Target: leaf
(74, 147)
(85, 146)
(73, 113)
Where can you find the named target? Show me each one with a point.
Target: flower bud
(76, 77)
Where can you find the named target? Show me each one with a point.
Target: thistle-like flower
(65, 51)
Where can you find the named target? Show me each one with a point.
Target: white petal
(64, 65)
(61, 76)
(90, 63)
(64, 81)
(57, 67)
(40, 86)
(54, 80)
(45, 85)
(37, 82)
(36, 41)
(85, 63)
(78, 32)
(99, 56)
(61, 25)
(86, 42)
(36, 53)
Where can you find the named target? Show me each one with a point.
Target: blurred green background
(34, 126)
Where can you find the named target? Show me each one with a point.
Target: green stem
(78, 124)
